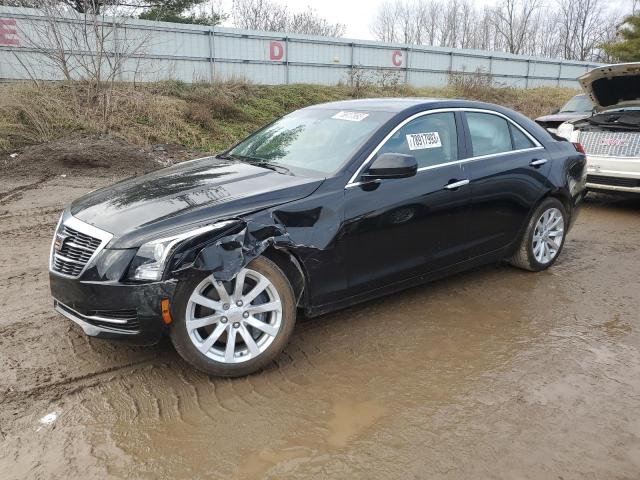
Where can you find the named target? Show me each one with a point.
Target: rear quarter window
(520, 140)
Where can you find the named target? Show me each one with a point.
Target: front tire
(544, 237)
(233, 328)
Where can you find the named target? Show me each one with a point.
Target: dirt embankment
(206, 117)
(96, 156)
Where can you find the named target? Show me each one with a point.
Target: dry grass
(207, 117)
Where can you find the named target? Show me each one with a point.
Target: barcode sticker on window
(420, 141)
(351, 116)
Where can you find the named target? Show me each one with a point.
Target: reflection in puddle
(350, 419)
(260, 463)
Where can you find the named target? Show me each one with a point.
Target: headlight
(151, 259)
(566, 130)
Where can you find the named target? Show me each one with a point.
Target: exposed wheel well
(292, 268)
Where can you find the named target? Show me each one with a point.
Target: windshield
(578, 104)
(314, 140)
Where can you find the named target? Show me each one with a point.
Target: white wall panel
(184, 52)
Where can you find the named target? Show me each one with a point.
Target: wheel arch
(293, 270)
(558, 195)
(563, 198)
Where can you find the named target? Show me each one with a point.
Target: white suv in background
(611, 137)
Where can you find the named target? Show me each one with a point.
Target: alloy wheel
(236, 321)
(548, 235)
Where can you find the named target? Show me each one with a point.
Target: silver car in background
(611, 137)
(577, 108)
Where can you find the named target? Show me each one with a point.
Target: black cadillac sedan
(326, 207)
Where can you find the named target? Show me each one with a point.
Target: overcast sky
(358, 14)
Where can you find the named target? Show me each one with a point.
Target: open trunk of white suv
(611, 137)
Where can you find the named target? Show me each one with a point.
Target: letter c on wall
(276, 51)
(396, 58)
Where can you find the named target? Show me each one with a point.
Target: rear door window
(490, 134)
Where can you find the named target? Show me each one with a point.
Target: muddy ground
(495, 373)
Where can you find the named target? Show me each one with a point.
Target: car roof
(401, 107)
(392, 105)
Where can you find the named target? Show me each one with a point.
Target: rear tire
(229, 330)
(543, 238)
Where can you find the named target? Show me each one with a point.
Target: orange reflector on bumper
(166, 315)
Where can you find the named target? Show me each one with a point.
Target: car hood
(562, 117)
(186, 196)
(613, 86)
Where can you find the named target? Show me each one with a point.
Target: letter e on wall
(8, 33)
(276, 50)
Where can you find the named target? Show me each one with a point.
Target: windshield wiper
(259, 162)
(242, 158)
(273, 166)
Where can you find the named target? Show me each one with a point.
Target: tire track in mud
(10, 195)
(51, 391)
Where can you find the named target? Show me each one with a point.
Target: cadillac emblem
(59, 241)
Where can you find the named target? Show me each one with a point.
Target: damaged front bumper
(107, 302)
(106, 306)
(113, 310)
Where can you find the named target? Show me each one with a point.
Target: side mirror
(557, 110)
(392, 165)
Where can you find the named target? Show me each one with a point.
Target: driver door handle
(457, 184)
(538, 162)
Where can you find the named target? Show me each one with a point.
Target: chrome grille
(74, 244)
(611, 144)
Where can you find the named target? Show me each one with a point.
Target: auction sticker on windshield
(420, 141)
(351, 116)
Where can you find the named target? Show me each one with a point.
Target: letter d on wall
(276, 51)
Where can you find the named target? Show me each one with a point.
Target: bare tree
(271, 16)
(310, 23)
(90, 51)
(258, 15)
(385, 23)
(550, 28)
(583, 27)
(513, 20)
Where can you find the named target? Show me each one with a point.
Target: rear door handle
(457, 184)
(538, 162)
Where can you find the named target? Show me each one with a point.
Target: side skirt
(488, 258)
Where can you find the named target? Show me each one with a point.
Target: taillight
(579, 148)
